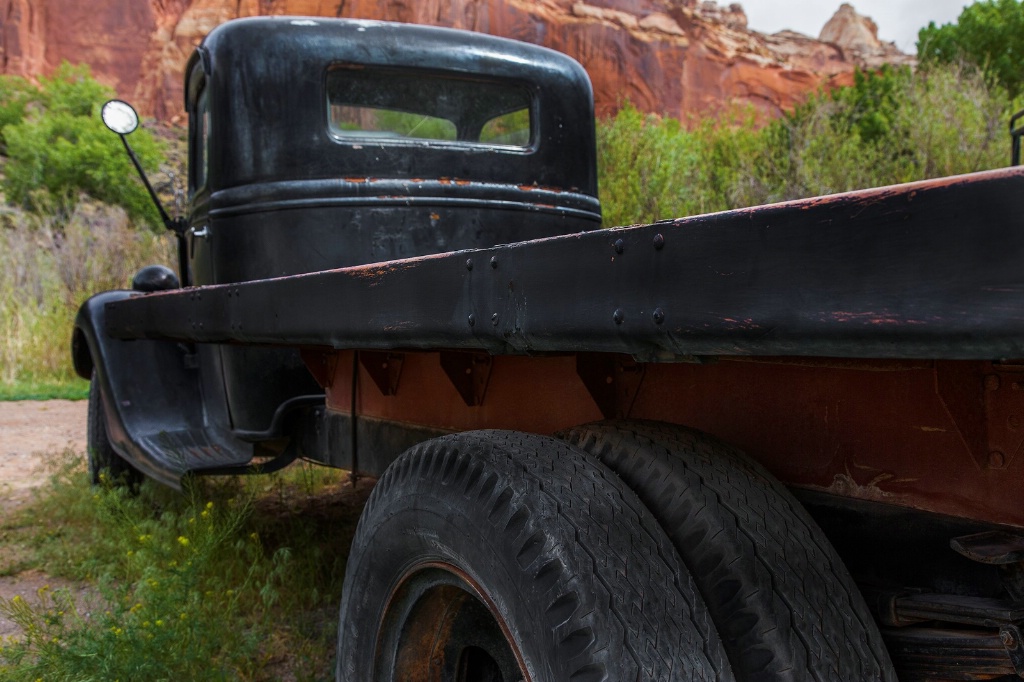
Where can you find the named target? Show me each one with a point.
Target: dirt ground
(30, 432)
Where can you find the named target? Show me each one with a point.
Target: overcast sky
(898, 20)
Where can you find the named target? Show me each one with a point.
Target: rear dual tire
(505, 556)
(781, 598)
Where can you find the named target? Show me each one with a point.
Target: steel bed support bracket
(321, 364)
(997, 548)
(384, 367)
(469, 373)
(1005, 550)
(613, 381)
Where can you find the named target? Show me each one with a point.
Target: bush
(651, 167)
(166, 595)
(891, 126)
(57, 148)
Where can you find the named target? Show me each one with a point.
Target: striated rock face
(677, 57)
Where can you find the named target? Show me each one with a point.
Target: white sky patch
(898, 20)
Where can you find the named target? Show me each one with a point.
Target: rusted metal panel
(871, 430)
(986, 401)
(541, 395)
(874, 433)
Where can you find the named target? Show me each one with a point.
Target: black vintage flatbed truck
(778, 443)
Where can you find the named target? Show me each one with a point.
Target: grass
(74, 388)
(47, 269)
(232, 579)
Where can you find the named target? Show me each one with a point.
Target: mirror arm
(175, 225)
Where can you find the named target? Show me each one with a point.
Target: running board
(196, 450)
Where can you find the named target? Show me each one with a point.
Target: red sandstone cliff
(678, 57)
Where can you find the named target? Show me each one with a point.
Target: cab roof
(266, 80)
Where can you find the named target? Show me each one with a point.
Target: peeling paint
(844, 485)
(868, 317)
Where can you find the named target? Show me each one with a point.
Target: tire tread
(785, 605)
(615, 604)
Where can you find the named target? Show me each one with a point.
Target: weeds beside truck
(775, 443)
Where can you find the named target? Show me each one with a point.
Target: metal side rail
(924, 270)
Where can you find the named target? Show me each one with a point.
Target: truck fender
(155, 414)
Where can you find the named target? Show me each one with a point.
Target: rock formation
(678, 57)
(857, 35)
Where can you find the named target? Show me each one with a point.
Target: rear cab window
(389, 106)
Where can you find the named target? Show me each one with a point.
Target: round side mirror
(119, 117)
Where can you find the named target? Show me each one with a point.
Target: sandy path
(31, 432)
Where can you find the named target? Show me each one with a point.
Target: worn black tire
(581, 574)
(100, 453)
(783, 602)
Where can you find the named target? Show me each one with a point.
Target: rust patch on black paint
(865, 317)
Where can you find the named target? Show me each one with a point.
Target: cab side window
(199, 137)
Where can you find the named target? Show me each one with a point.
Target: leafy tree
(988, 34)
(58, 148)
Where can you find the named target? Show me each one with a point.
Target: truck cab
(317, 144)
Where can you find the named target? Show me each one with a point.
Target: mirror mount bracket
(121, 118)
(169, 223)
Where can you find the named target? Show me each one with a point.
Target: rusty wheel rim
(439, 625)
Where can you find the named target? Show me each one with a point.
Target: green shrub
(57, 148)
(165, 609)
(15, 95)
(651, 167)
(235, 579)
(891, 126)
